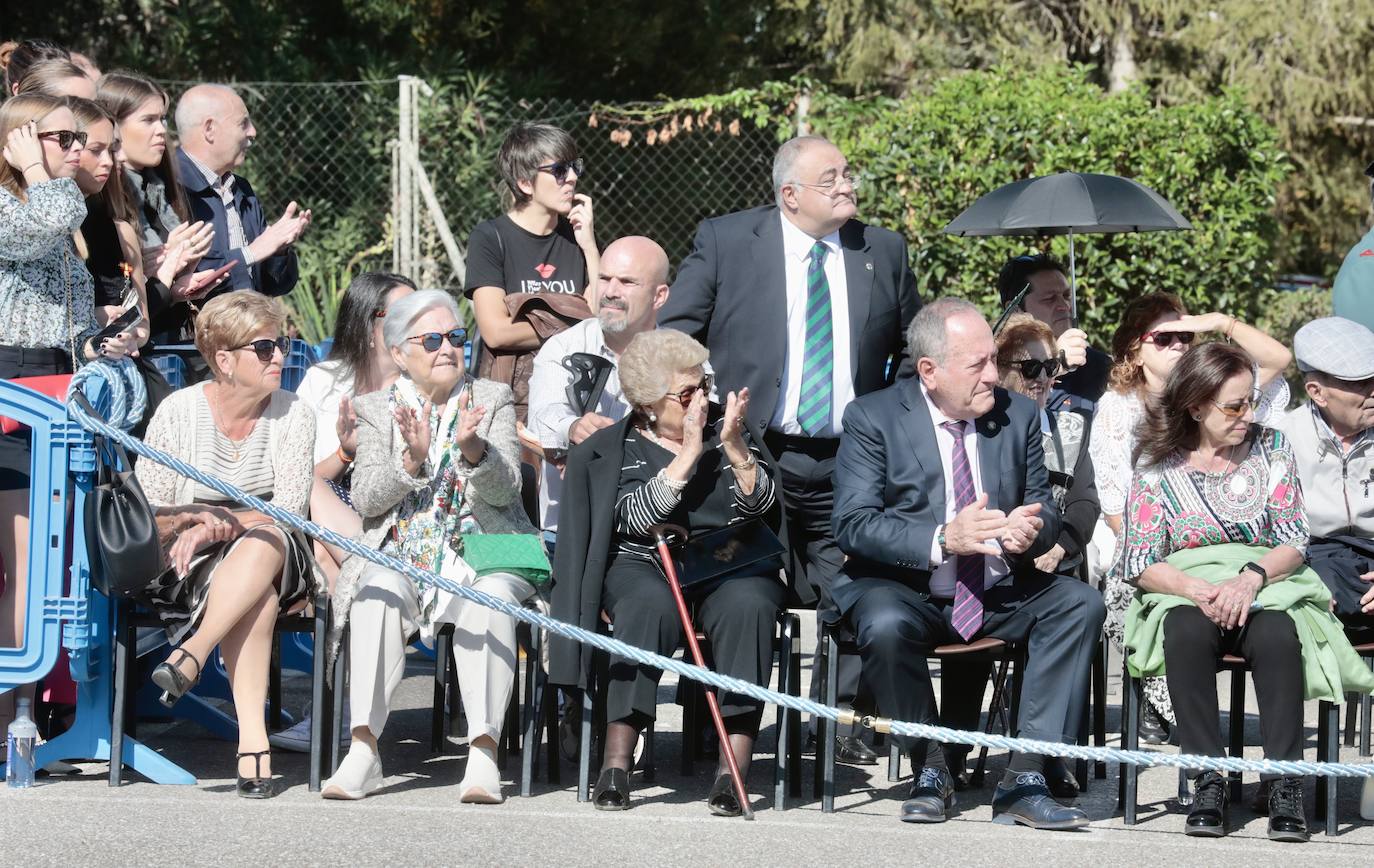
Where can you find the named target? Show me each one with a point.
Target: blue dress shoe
(931, 797)
(1028, 802)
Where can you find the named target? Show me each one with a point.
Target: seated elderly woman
(664, 463)
(232, 571)
(1215, 531)
(437, 461)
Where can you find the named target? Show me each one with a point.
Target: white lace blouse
(40, 273)
(1113, 440)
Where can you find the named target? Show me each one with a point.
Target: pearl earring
(652, 417)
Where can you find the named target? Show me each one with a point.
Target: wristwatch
(1258, 570)
(940, 540)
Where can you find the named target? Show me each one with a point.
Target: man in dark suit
(942, 503)
(805, 306)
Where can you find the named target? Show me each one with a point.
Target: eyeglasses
(431, 341)
(559, 170)
(263, 347)
(1164, 340)
(828, 187)
(1031, 368)
(685, 396)
(379, 314)
(1236, 410)
(64, 138)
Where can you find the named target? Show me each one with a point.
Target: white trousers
(386, 611)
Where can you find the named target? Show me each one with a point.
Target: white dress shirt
(796, 246)
(942, 577)
(551, 417)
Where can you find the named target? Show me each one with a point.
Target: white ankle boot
(358, 776)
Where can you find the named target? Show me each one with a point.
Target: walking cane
(661, 534)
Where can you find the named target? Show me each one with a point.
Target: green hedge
(925, 159)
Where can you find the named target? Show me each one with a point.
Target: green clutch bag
(519, 553)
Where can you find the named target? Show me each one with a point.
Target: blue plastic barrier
(172, 368)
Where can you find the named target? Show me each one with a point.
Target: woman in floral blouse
(1209, 476)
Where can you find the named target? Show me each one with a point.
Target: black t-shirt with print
(502, 254)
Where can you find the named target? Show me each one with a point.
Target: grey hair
(785, 160)
(927, 336)
(648, 364)
(401, 316)
(199, 103)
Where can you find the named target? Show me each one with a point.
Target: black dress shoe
(957, 762)
(1061, 783)
(1207, 819)
(1287, 819)
(931, 797)
(1028, 802)
(256, 787)
(722, 800)
(612, 791)
(1153, 729)
(854, 751)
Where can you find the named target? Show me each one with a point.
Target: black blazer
(586, 540)
(890, 485)
(731, 294)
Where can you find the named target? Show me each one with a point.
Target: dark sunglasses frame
(1164, 339)
(263, 347)
(64, 138)
(1031, 368)
(559, 169)
(685, 396)
(431, 341)
(1235, 411)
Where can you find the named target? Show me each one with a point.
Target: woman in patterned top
(1208, 475)
(665, 463)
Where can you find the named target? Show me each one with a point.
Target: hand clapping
(414, 430)
(469, 442)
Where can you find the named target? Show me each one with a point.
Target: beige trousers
(386, 611)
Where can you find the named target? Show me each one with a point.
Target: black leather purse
(121, 531)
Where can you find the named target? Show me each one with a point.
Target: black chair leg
(1129, 773)
(1366, 708)
(997, 712)
(550, 724)
(825, 732)
(648, 762)
(338, 694)
(1236, 724)
(1328, 750)
(783, 643)
(274, 718)
(584, 747)
(1099, 676)
(319, 693)
(124, 661)
(795, 722)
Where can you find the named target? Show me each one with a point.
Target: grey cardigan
(380, 482)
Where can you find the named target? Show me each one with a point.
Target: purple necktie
(968, 569)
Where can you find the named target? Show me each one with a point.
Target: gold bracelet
(1231, 328)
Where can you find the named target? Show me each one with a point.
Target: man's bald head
(645, 253)
(631, 286)
(213, 126)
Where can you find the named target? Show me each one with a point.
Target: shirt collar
(937, 416)
(215, 181)
(1326, 433)
(796, 244)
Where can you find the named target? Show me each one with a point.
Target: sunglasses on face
(1031, 368)
(64, 138)
(685, 396)
(1164, 340)
(560, 169)
(1236, 410)
(264, 347)
(431, 341)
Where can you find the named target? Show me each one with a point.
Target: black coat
(586, 540)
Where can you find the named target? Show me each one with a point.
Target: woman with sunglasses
(1215, 535)
(1155, 331)
(437, 459)
(232, 571)
(679, 460)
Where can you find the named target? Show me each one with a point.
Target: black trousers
(1058, 618)
(806, 467)
(1340, 561)
(1269, 641)
(738, 617)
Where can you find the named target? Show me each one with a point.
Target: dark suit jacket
(586, 540)
(890, 486)
(731, 294)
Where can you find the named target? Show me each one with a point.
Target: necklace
(221, 428)
(666, 444)
(1225, 467)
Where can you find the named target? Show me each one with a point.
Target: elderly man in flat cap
(1333, 440)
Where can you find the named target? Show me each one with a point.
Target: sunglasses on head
(559, 170)
(64, 138)
(685, 396)
(1164, 340)
(1236, 410)
(264, 347)
(1031, 368)
(431, 341)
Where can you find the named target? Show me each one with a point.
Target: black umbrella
(1068, 203)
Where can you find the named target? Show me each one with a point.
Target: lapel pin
(868, 265)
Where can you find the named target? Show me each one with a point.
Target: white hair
(928, 334)
(785, 161)
(200, 102)
(402, 314)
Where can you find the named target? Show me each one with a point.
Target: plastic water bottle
(23, 736)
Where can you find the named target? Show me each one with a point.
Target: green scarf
(1331, 668)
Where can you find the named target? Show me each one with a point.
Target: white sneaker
(481, 783)
(359, 775)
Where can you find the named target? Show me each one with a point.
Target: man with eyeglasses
(805, 306)
(1333, 441)
(1046, 284)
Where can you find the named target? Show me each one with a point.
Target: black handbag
(121, 531)
(707, 559)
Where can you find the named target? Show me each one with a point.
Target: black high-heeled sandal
(256, 787)
(612, 791)
(722, 800)
(175, 685)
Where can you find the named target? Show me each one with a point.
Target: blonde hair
(648, 364)
(233, 319)
(14, 113)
